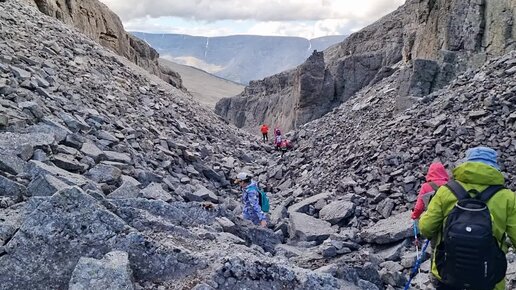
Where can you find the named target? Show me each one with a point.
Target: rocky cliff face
(299, 90)
(95, 20)
(430, 42)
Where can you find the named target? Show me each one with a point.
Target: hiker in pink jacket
(435, 177)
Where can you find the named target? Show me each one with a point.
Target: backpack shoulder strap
(457, 189)
(489, 192)
(433, 185)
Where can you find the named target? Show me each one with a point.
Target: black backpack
(469, 255)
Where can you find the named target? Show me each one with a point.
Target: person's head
(243, 179)
(485, 155)
(436, 172)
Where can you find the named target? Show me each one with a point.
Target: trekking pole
(416, 242)
(414, 271)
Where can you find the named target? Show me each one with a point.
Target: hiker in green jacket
(479, 171)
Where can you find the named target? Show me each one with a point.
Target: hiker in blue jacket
(251, 208)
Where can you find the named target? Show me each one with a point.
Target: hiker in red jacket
(265, 132)
(435, 177)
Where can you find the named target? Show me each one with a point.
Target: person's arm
(419, 208)
(432, 220)
(511, 221)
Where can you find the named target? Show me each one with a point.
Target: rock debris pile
(111, 178)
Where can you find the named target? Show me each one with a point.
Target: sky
(304, 18)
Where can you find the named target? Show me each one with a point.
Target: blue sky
(305, 18)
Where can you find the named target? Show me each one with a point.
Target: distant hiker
(265, 132)
(435, 177)
(285, 145)
(252, 209)
(463, 217)
(277, 138)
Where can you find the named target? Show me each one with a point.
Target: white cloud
(259, 10)
(156, 25)
(305, 18)
(306, 30)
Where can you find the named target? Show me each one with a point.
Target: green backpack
(263, 199)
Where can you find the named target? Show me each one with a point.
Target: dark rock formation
(430, 41)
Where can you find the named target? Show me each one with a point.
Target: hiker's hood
(478, 173)
(437, 172)
(485, 155)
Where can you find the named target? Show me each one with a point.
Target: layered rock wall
(99, 23)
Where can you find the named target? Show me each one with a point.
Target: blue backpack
(263, 199)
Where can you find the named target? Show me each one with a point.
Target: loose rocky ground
(369, 157)
(99, 157)
(106, 169)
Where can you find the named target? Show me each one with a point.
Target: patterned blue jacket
(251, 204)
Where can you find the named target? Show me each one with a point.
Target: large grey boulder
(37, 168)
(11, 163)
(202, 194)
(91, 150)
(117, 156)
(156, 191)
(72, 224)
(11, 188)
(255, 235)
(45, 185)
(111, 272)
(138, 210)
(103, 173)
(308, 228)
(337, 211)
(128, 189)
(16, 148)
(303, 205)
(389, 230)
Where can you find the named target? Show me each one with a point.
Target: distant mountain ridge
(239, 58)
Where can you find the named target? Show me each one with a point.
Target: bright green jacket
(502, 206)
